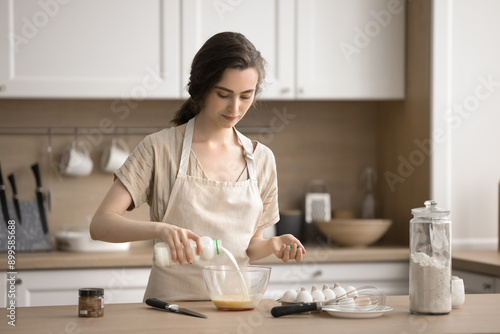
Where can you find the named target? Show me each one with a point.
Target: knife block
(29, 234)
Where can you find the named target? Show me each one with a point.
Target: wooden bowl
(354, 232)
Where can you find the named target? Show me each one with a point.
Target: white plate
(335, 312)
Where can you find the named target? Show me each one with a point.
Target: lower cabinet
(478, 283)
(127, 285)
(60, 287)
(390, 277)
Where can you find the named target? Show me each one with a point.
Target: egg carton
(292, 297)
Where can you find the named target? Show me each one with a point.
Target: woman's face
(230, 99)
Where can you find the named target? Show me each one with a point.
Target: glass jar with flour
(430, 260)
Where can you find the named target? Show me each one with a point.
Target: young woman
(202, 177)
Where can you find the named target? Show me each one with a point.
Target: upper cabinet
(133, 49)
(350, 49)
(89, 49)
(268, 24)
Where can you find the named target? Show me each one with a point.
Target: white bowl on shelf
(79, 240)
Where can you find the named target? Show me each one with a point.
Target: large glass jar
(430, 260)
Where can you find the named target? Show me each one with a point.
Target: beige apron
(226, 211)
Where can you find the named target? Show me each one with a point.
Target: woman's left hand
(286, 247)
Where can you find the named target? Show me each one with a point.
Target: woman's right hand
(177, 240)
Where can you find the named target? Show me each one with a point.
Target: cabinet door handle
(3, 88)
(317, 273)
(18, 281)
(486, 286)
(285, 90)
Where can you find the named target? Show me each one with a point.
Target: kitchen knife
(3, 200)
(172, 308)
(15, 198)
(39, 198)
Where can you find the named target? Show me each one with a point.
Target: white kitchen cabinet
(132, 49)
(350, 49)
(60, 287)
(478, 283)
(127, 285)
(89, 49)
(319, 49)
(391, 277)
(269, 25)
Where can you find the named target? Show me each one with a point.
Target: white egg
(303, 297)
(317, 295)
(339, 291)
(328, 293)
(363, 302)
(289, 296)
(351, 291)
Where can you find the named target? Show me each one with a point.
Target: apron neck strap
(186, 146)
(186, 150)
(248, 153)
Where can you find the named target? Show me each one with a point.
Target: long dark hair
(220, 52)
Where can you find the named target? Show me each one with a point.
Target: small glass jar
(430, 260)
(91, 302)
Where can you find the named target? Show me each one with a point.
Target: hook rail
(108, 131)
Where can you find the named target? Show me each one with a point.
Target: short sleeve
(268, 185)
(137, 172)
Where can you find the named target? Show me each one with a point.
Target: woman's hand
(177, 240)
(286, 247)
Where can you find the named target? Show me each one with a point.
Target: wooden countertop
(479, 314)
(482, 262)
(142, 257)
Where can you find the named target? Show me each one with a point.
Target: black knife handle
(36, 171)
(279, 311)
(156, 303)
(12, 184)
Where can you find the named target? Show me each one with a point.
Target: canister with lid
(430, 260)
(91, 302)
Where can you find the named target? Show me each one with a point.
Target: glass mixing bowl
(233, 290)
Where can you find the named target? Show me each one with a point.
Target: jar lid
(430, 210)
(91, 292)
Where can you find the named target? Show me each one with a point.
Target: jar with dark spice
(91, 302)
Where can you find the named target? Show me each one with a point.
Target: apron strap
(186, 147)
(186, 150)
(248, 152)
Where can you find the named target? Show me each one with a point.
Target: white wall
(466, 118)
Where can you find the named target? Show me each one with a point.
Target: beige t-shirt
(151, 169)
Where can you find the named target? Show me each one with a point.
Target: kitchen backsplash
(332, 141)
